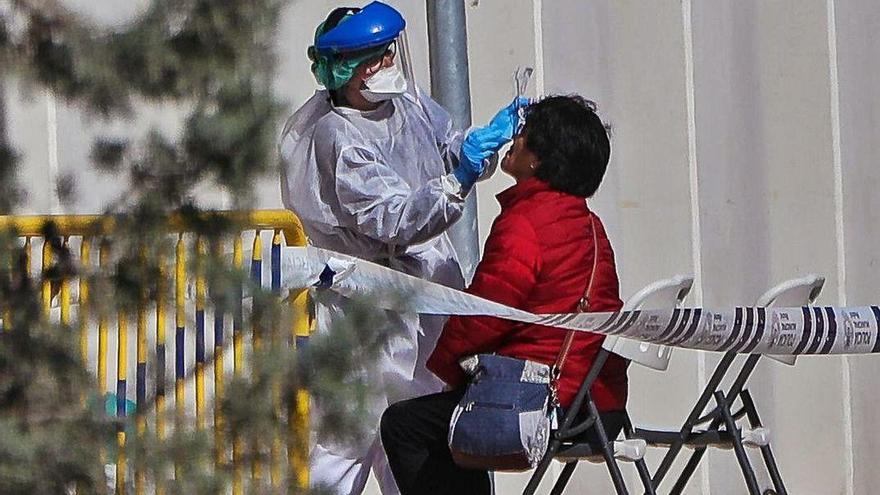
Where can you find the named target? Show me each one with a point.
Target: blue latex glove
(479, 145)
(506, 120)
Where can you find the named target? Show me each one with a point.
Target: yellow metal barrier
(256, 332)
(219, 372)
(85, 255)
(121, 376)
(92, 229)
(161, 314)
(238, 365)
(103, 261)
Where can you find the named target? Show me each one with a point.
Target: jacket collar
(522, 190)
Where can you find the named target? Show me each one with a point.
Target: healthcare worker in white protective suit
(375, 169)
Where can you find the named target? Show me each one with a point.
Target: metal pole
(450, 86)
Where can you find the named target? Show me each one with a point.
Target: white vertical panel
(501, 37)
(70, 131)
(733, 224)
(701, 481)
(27, 133)
(537, 19)
(765, 142)
(858, 47)
(52, 149)
(840, 236)
(630, 57)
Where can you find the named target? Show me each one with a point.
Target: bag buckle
(553, 385)
(584, 305)
(555, 373)
(554, 396)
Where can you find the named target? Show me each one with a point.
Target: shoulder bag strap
(583, 307)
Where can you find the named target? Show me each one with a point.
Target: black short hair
(571, 142)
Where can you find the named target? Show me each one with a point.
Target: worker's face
(519, 161)
(367, 68)
(364, 71)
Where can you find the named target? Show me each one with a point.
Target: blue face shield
(373, 26)
(359, 36)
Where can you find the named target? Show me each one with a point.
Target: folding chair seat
(751, 437)
(567, 444)
(721, 426)
(624, 450)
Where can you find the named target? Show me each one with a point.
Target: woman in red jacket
(539, 258)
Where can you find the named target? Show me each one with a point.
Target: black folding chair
(584, 433)
(721, 426)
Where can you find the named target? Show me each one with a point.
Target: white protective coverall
(376, 185)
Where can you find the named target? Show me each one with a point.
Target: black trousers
(414, 435)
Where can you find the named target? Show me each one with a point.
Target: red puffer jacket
(538, 258)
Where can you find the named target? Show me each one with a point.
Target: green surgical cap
(334, 70)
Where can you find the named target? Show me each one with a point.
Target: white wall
(765, 154)
(783, 126)
(857, 22)
(623, 56)
(744, 151)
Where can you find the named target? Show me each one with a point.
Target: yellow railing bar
(46, 285)
(275, 451)
(27, 256)
(237, 367)
(256, 274)
(121, 378)
(85, 253)
(200, 333)
(298, 412)
(140, 384)
(67, 224)
(65, 293)
(237, 340)
(103, 262)
(96, 225)
(32, 226)
(180, 336)
(161, 315)
(219, 371)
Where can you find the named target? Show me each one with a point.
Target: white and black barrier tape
(749, 330)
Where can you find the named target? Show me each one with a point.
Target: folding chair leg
(766, 453)
(641, 465)
(694, 461)
(744, 464)
(688, 471)
(666, 463)
(705, 397)
(562, 481)
(773, 470)
(535, 480)
(645, 477)
(607, 452)
(614, 471)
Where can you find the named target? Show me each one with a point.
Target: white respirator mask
(386, 84)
